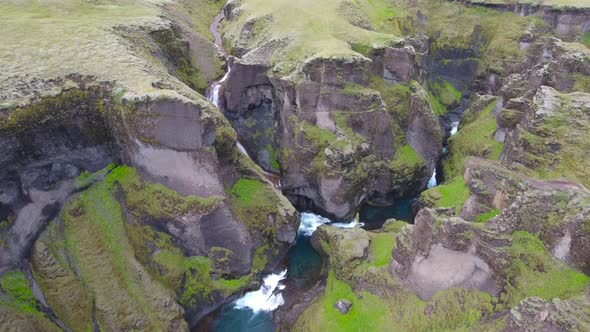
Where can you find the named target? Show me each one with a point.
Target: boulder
(343, 305)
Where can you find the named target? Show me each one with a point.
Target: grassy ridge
(46, 40)
(322, 28)
(552, 3)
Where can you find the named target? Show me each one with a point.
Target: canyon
(294, 166)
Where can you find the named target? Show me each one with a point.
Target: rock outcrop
(333, 127)
(523, 233)
(125, 187)
(439, 253)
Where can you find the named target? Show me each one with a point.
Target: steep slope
(170, 231)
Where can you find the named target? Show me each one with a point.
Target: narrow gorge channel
(253, 312)
(294, 166)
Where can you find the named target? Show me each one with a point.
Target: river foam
(267, 298)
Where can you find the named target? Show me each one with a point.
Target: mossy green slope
(551, 3)
(99, 260)
(554, 144)
(102, 41)
(475, 138)
(451, 24)
(323, 29)
(96, 238)
(534, 272)
(14, 320)
(378, 302)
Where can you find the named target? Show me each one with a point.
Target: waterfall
(310, 222)
(243, 150)
(432, 182)
(266, 298)
(454, 127)
(215, 88)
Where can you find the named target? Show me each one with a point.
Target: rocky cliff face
(534, 237)
(124, 208)
(126, 205)
(335, 128)
(504, 238)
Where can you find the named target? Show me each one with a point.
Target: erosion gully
(253, 311)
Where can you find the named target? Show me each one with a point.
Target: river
(253, 311)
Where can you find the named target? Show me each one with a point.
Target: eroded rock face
(566, 21)
(536, 314)
(438, 253)
(347, 247)
(554, 210)
(540, 144)
(54, 141)
(177, 228)
(334, 132)
(423, 133)
(394, 64)
(444, 268)
(155, 216)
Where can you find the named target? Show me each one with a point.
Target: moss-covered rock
(96, 238)
(550, 141)
(14, 320)
(62, 287)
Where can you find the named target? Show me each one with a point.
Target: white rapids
(432, 182)
(266, 298)
(454, 127)
(310, 222)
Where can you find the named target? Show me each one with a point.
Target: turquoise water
(231, 319)
(303, 267)
(375, 216)
(304, 263)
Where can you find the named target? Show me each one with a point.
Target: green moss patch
(446, 93)
(582, 83)
(483, 217)
(199, 284)
(88, 104)
(381, 246)
(396, 98)
(159, 201)
(252, 202)
(319, 136)
(18, 293)
(533, 271)
(407, 157)
(395, 310)
(323, 29)
(451, 194)
(474, 139)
